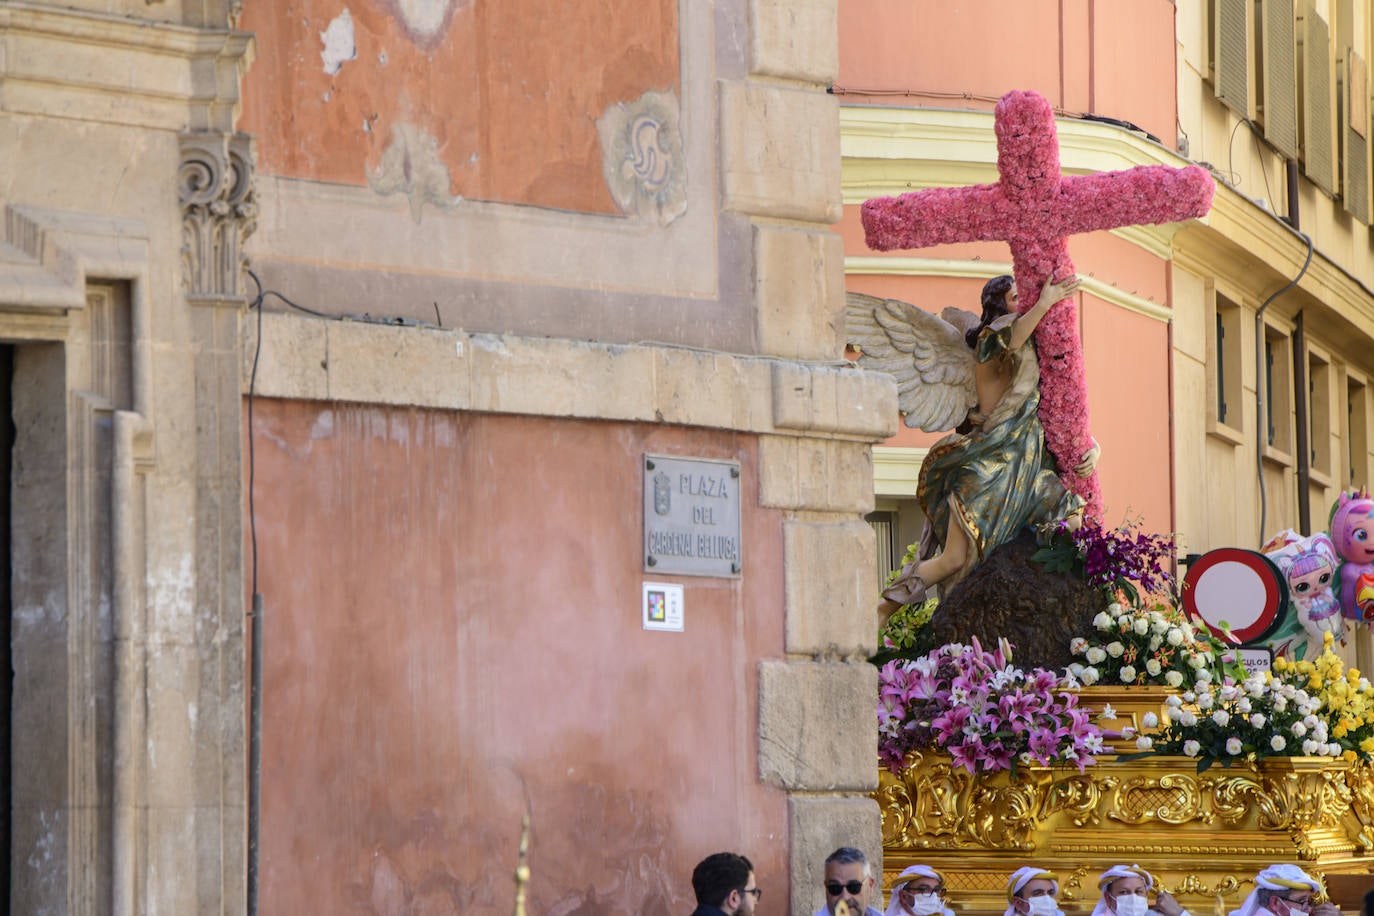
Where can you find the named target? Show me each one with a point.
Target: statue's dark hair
(717, 875)
(994, 299)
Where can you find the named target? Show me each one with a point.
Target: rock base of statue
(1203, 835)
(1010, 595)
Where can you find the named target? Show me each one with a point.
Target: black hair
(994, 300)
(717, 875)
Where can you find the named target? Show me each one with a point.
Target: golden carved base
(1203, 835)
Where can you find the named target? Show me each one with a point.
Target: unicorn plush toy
(1352, 533)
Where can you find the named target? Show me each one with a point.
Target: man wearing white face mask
(1031, 891)
(1125, 892)
(1285, 890)
(918, 891)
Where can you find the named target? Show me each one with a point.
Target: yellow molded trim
(952, 267)
(896, 470)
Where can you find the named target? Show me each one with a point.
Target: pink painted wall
(454, 635)
(1104, 57)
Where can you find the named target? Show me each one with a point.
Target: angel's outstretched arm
(1024, 326)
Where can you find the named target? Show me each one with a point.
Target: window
(889, 554)
(1278, 394)
(1357, 432)
(1319, 413)
(1224, 379)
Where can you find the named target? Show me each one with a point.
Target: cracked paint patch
(339, 45)
(411, 166)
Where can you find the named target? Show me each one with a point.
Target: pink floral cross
(1033, 208)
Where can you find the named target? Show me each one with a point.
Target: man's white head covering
(1023, 876)
(1115, 873)
(894, 905)
(1277, 878)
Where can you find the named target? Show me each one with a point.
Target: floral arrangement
(986, 713)
(1147, 645)
(1116, 560)
(1028, 165)
(1300, 709)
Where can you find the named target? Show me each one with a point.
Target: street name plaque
(691, 516)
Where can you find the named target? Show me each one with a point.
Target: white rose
(1141, 627)
(1156, 642)
(1174, 637)
(1153, 667)
(1188, 720)
(1233, 746)
(1102, 621)
(1173, 700)
(1278, 743)
(1175, 714)
(1280, 704)
(1189, 697)
(1204, 676)
(1114, 649)
(1221, 717)
(1173, 679)
(1090, 676)
(1078, 645)
(1298, 729)
(1204, 701)
(1243, 705)
(1128, 733)
(1191, 747)
(1128, 674)
(1096, 656)
(1144, 743)
(1149, 720)
(1076, 669)
(1158, 624)
(1310, 747)
(1258, 721)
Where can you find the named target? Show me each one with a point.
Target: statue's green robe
(999, 477)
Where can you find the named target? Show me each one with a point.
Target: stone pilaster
(780, 166)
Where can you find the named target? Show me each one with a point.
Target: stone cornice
(114, 69)
(358, 362)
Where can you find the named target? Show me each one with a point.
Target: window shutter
(1231, 54)
(1355, 133)
(1279, 44)
(1318, 101)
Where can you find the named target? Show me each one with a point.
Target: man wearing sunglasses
(724, 884)
(848, 877)
(1285, 890)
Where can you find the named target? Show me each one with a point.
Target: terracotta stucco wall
(1099, 56)
(508, 92)
(454, 636)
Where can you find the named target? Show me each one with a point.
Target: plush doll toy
(1352, 532)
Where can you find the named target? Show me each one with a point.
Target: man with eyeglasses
(1285, 890)
(919, 891)
(724, 883)
(848, 879)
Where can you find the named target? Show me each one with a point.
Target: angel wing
(925, 353)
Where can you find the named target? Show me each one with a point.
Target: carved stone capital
(218, 213)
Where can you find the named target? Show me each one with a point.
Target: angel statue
(991, 477)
